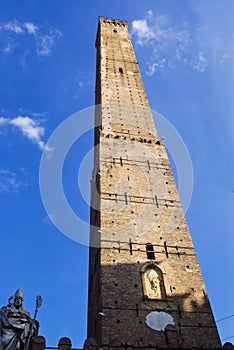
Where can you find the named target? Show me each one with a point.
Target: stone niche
(152, 282)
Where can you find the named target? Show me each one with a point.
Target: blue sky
(47, 56)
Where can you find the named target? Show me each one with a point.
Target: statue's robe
(14, 327)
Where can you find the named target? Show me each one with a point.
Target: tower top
(116, 22)
(111, 22)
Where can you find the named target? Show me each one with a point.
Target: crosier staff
(31, 330)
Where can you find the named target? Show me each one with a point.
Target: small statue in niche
(16, 325)
(153, 284)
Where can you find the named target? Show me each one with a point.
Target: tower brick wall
(145, 284)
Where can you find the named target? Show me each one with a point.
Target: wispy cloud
(172, 44)
(199, 62)
(12, 180)
(3, 121)
(44, 38)
(31, 28)
(46, 42)
(84, 79)
(12, 26)
(29, 127)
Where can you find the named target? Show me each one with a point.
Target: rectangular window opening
(150, 251)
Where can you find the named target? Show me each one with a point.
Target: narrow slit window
(150, 251)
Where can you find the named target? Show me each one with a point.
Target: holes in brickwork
(114, 31)
(135, 285)
(116, 284)
(189, 269)
(118, 321)
(121, 70)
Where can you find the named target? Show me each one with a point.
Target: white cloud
(29, 127)
(43, 39)
(8, 48)
(199, 62)
(45, 42)
(31, 28)
(12, 26)
(172, 44)
(155, 66)
(12, 180)
(142, 30)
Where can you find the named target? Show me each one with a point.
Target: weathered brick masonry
(142, 257)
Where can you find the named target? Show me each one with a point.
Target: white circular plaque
(159, 320)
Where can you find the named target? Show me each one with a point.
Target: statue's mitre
(19, 293)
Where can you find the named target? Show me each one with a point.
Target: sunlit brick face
(143, 271)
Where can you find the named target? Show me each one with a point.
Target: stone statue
(154, 290)
(16, 325)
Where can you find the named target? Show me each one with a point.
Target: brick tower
(145, 284)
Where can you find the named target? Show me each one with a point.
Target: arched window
(152, 281)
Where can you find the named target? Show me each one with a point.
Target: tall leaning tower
(145, 284)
